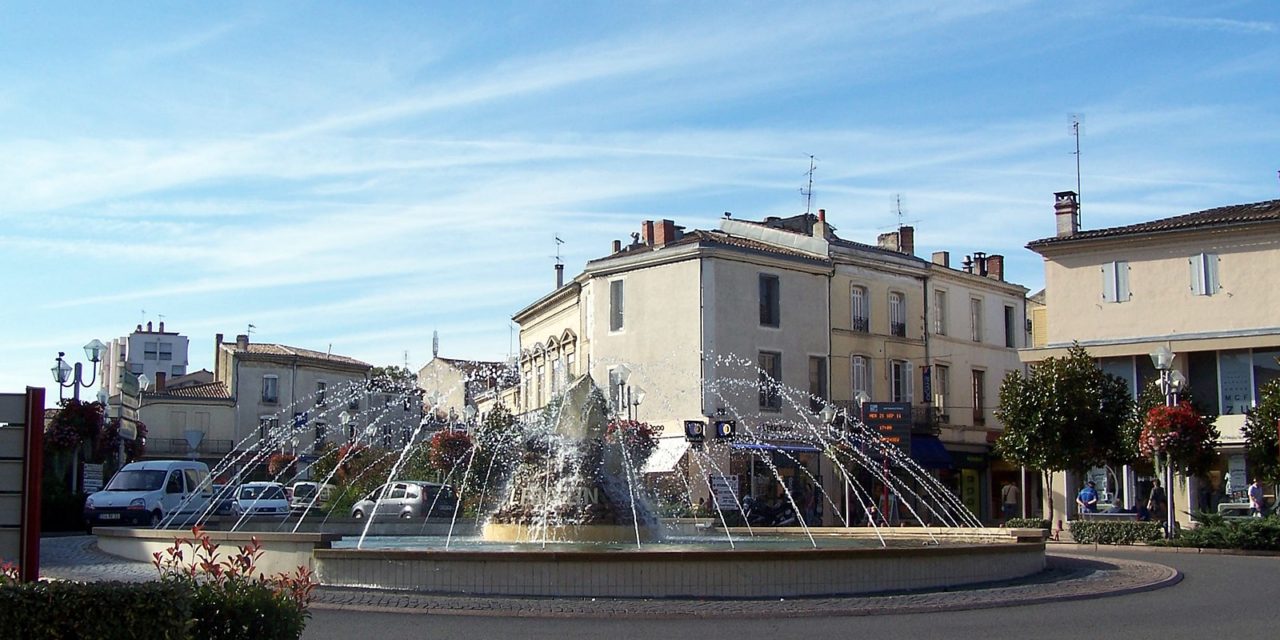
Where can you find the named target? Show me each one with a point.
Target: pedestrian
(1087, 499)
(1010, 498)
(1257, 503)
(1157, 501)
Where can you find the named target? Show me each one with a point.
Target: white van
(145, 493)
(311, 496)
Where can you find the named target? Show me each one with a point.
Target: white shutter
(1210, 273)
(1109, 282)
(1122, 281)
(908, 373)
(1197, 274)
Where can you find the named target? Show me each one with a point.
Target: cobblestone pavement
(1069, 577)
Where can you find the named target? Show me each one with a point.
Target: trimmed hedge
(245, 611)
(1114, 532)
(1215, 532)
(1027, 523)
(100, 610)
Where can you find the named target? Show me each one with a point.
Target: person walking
(1010, 498)
(1257, 503)
(1157, 501)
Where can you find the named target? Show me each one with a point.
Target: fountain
(572, 518)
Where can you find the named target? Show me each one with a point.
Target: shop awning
(929, 453)
(797, 448)
(668, 454)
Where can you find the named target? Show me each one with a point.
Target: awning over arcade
(668, 454)
(793, 448)
(929, 453)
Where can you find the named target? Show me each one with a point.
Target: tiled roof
(715, 237)
(268, 349)
(207, 391)
(1228, 216)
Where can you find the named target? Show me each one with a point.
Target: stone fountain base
(593, 533)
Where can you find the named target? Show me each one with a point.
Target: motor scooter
(759, 514)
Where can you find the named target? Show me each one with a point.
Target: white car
(260, 498)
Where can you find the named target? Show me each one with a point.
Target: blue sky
(354, 177)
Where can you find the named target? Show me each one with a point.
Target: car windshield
(261, 493)
(137, 480)
(303, 490)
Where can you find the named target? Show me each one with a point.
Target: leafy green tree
(1065, 414)
(1262, 448)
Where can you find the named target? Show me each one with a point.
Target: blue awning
(797, 448)
(929, 453)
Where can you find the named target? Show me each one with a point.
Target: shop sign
(892, 421)
(723, 489)
(92, 478)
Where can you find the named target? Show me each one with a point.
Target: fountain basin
(769, 570)
(589, 533)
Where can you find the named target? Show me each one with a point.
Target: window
(979, 397)
(270, 389)
(267, 426)
(557, 375)
(897, 314)
(615, 305)
(1115, 281)
(541, 381)
(568, 365)
(770, 379)
(975, 318)
(942, 390)
(861, 376)
(527, 384)
(860, 313)
(321, 430)
(1010, 328)
(770, 313)
(321, 388)
(1204, 274)
(149, 350)
(817, 383)
(940, 312)
(166, 351)
(178, 370)
(900, 378)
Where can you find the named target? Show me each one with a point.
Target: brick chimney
(159, 384)
(907, 240)
(646, 232)
(942, 258)
(617, 246)
(665, 231)
(995, 267)
(888, 241)
(242, 342)
(1066, 210)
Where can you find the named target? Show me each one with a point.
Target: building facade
(1200, 284)
(144, 352)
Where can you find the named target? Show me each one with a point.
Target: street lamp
(344, 422)
(629, 396)
(63, 372)
(1170, 384)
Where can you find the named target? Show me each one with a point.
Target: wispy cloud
(1227, 25)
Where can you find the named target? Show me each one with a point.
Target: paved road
(1219, 597)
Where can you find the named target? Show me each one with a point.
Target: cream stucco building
(703, 321)
(1201, 284)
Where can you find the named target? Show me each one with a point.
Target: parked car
(311, 495)
(260, 498)
(407, 499)
(224, 498)
(145, 493)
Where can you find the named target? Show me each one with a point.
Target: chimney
(995, 267)
(646, 232)
(907, 240)
(942, 258)
(822, 216)
(139, 329)
(979, 263)
(1066, 210)
(242, 342)
(559, 275)
(159, 384)
(666, 233)
(148, 326)
(967, 265)
(617, 246)
(888, 241)
(162, 326)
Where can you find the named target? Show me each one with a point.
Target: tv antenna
(808, 190)
(897, 211)
(406, 359)
(435, 344)
(1077, 120)
(249, 330)
(559, 242)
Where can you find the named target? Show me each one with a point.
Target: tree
(1065, 414)
(1262, 448)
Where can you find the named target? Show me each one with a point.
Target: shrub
(100, 610)
(1255, 534)
(231, 599)
(1114, 532)
(1027, 523)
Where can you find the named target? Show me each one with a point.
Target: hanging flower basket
(1177, 433)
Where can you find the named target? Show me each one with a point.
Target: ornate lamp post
(1171, 382)
(629, 396)
(63, 372)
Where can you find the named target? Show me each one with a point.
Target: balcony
(160, 447)
(861, 325)
(898, 329)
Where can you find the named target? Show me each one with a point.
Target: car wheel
(357, 514)
(156, 517)
(406, 515)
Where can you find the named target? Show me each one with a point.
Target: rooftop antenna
(406, 359)
(249, 330)
(558, 243)
(435, 344)
(1077, 119)
(897, 211)
(808, 191)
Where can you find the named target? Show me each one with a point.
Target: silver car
(407, 499)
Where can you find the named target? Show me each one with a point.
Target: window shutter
(1109, 282)
(1122, 281)
(908, 372)
(1210, 274)
(1196, 263)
